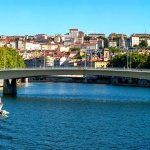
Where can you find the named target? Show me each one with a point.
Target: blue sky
(20, 17)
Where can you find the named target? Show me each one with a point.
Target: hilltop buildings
(71, 49)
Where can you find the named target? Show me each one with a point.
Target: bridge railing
(77, 68)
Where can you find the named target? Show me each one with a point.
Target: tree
(143, 44)
(87, 38)
(75, 49)
(105, 41)
(114, 49)
(135, 60)
(10, 58)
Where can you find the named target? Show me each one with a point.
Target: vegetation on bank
(10, 58)
(134, 59)
(114, 49)
(75, 49)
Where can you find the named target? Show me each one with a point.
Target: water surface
(76, 116)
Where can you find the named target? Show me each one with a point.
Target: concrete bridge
(11, 75)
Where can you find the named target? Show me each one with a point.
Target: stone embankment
(97, 80)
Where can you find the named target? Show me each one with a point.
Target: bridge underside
(10, 87)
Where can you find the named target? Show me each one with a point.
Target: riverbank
(95, 79)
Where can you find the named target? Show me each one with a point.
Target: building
(41, 38)
(100, 43)
(21, 45)
(148, 42)
(128, 42)
(80, 39)
(67, 40)
(112, 43)
(135, 41)
(96, 35)
(106, 55)
(32, 46)
(14, 45)
(57, 38)
(122, 42)
(74, 33)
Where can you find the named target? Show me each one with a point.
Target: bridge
(11, 75)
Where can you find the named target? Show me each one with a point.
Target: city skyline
(30, 17)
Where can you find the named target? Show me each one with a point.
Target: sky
(30, 17)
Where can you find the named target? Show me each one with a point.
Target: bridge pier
(10, 87)
(24, 80)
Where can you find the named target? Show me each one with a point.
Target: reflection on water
(76, 116)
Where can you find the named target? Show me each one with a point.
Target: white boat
(3, 113)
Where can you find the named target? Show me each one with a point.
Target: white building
(92, 46)
(64, 49)
(63, 61)
(14, 45)
(134, 41)
(57, 38)
(21, 45)
(53, 46)
(32, 46)
(74, 34)
(112, 43)
(2, 43)
(45, 47)
(67, 40)
(148, 42)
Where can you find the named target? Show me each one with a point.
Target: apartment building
(135, 40)
(112, 43)
(74, 34)
(96, 35)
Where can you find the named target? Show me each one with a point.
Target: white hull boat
(3, 113)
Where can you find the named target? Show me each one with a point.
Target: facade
(101, 64)
(128, 42)
(122, 42)
(21, 45)
(96, 35)
(14, 45)
(41, 37)
(134, 41)
(112, 43)
(57, 38)
(74, 33)
(106, 55)
(100, 44)
(32, 46)
(148, 42)
(67, 40)
(2, 43)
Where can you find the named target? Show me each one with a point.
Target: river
(60, 116)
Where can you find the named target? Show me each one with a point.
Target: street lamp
(91, 59)
(130, 60)
(44, 58)
(127, 58)
(4, 58)
(85, 58)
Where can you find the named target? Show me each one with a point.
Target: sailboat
(3, 113)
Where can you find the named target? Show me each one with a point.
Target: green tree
(87, 38)
(75, 49)
(143, 44)
(135, 60)
(105, 41)
(114, 49)
(10, 58)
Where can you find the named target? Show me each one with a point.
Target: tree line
(131, 59)
(10, 58)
